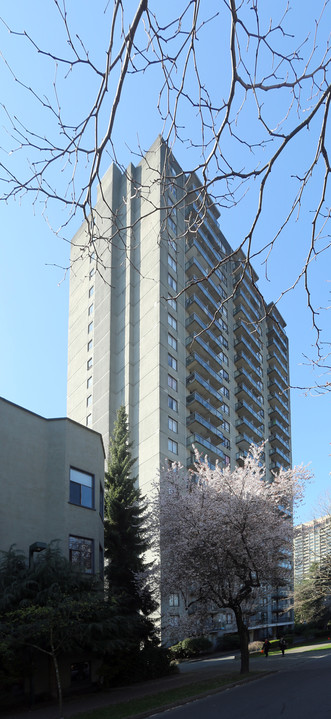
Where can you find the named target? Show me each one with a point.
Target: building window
(89, 345)
(89, 382)
(172, 225)
(172, 362)
(88, 420)
(81, 553)
(173, 190)
(173, 425)
(174, 600)
(172, 341)
(92, 256)
(91, 291)
(172, 263)
(172, 382)
(89, 400)
(172, 446)
(90, 327)
(89, 363)
(172, 303)
(172, 321)
(172, 282)
(90, 309)
(81, 488)
(91, 273)
(172, 403)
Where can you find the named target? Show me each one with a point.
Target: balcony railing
(279, 398)
(273, 357)
(191, 339)
(280, 347)
(258, 399)
(258, 431)
(242, 356)
(194, 299)
(242, 371)
(196, 417)
(198, 439)
(194, 262)
(278, 451)
(197, 325)
(196, 397)
(259, 416)
(276, 410)
(195, 358)
(280, 438)
(241, 294)
(212, 392)
(278, 425)
(276, 371)
(253, 334)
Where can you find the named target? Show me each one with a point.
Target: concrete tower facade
(189, 367)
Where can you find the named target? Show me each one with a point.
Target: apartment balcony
(243, 344)
(242, 360)
(278, 440)
(196, 383)
(252, 293)
(276, 466)
(195, 402)
(276, 413)
(256, 434)
(201, 289)
(242, 374)
(274, 332)
(244, 441)
(243, 407)
(277, 377)
(274, 358)
(207, 353)
(277, 455)
(243, 392)
(196, 422)
(195, 304)
(276, 344)
(204, 446)
(279, 399)
(198, 243)
(279, 427)
(194, 325)
(241, 312)
(253, 334)
(195, 270)
(195, 362)
(241, 297)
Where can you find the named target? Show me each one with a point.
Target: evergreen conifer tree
(126, 540)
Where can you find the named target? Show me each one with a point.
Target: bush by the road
(190, 647)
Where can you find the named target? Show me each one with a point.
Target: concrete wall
(35, 459)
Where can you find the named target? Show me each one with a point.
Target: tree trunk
(244, 639)
(58, 681)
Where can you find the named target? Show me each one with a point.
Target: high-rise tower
(208, 366)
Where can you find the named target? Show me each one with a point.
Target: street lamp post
(35, 548)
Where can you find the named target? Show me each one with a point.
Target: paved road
(300, 689)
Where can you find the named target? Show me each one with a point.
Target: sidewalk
(190, 672)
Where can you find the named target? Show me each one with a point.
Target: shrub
(228, 642)
(255, 646)
(191, 647)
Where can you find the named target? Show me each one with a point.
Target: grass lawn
(156, 701)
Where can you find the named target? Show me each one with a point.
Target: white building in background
(189, 369)
(312, 542)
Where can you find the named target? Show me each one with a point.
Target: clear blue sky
(34, 288)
